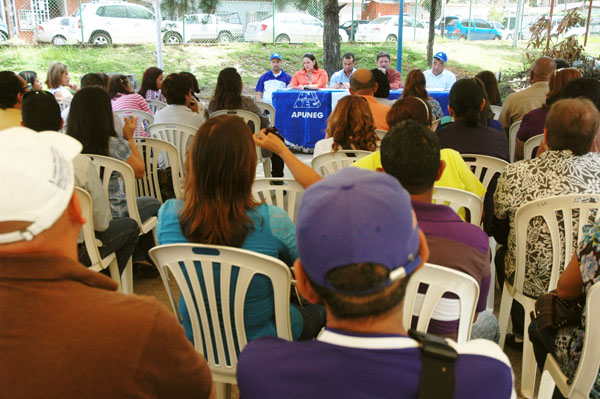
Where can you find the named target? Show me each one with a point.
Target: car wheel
(172, 38)
(100, 39)
(497, 37)
(391, 38)
(462, 37)
(225, 37)
(59, 40)
(283, 38)
(3, 37)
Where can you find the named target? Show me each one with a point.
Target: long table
(301, 115)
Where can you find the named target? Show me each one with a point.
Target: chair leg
(267, 167)
(491, 293)
(127, 278)
(113, 269)
(547, 386)
(223, 390)
(528, 365)
(503, 317)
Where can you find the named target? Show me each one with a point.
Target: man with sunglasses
(12, 88)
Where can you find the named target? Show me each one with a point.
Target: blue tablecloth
(301, 115)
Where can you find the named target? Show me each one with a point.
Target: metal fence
(121, 22)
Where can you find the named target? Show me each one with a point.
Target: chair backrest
(331, 162)
(143, 119)
(91, 244)
(531, 145)
(380, 133)
(267, 109)
(435, 124)
(286, 195)
(484, 167)
(106, 166)
(587, 369)
(572, 212)
(64, 104)
(178, 134)
(440, 280)
(456, 199)
(512, 139)
(157, 154)
(496, 109)
(218, 320)
(155, 105)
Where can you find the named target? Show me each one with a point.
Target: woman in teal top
(218, 208)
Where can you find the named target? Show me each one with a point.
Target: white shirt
(443, 81)
(323, 147)
(179, 114)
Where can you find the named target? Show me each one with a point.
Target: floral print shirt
(551, 174)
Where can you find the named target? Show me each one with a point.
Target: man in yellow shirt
(12, 89)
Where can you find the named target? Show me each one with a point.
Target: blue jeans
(486, 327)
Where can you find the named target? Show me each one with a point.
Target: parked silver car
(57, 31)
(289, 28)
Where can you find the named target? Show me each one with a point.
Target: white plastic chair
(587, 369)
(380, 133)
(178, 134)
(64, 104)
(143, 119)
(152, 152)
(485, 168)
(217, 336)
(547, 208)
(105, 167)
(331, 162)
(531, 144)
(456, 199)
(92, 244)
(440, 280)
(265, 107)
(155, 105)
(512, 139)
(496, 109)
(286, 196)
(248, 116)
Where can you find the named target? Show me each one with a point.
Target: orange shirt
(379, 112)
(319, 77)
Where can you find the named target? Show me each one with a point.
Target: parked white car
(505, 32)
(289, 28)
(225, 28)
(385, 29)
(57, 31)
(116, 22)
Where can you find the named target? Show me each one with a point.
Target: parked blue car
(480, 29)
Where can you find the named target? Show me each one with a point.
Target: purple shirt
(458, 245)
(532, 124)
(474, 140)
(341, 364)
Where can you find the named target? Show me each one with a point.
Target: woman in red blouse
(311, 76)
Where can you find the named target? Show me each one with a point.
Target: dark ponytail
(465, 99)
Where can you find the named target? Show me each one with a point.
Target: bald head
(543, 69)
(362, 81)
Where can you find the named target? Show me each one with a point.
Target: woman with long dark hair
(491, 87)
(349, 127)
(122, 97)
(466, 134)
(152, 84)
(415, 87)
(218, 208)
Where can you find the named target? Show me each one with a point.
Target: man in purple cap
(272, 80)
(358, 244)
(438, 77)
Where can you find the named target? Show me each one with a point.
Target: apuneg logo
(307, 100)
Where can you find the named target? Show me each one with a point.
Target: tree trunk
(431, 37)
(332, 61)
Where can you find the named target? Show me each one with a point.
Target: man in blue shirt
(274, 79)
(341, 78)
(438, 77)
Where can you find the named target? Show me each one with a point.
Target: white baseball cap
(37, 179)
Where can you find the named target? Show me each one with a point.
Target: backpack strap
(437, 366)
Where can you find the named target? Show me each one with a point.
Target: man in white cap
(272, 80)
(65, 332)
(438, 77)
(358, 244)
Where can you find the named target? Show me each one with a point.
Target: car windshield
(451, 21)
(381, 20)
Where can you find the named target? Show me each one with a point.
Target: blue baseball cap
(440, 55)
(356, 216)
(275, 55)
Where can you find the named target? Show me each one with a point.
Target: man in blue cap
(358, 245)
(438, 77)
(272, 80)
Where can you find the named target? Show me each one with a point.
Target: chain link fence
(129, 22)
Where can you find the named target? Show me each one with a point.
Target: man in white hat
(65, 332)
